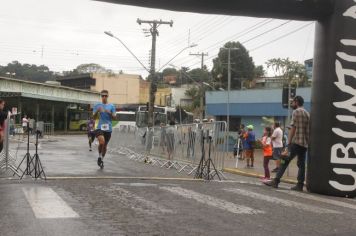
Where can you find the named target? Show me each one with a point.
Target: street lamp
(118, 39)
(190, 46)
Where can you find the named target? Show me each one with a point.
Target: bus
(163, 115)
(125, 119)
(78, 120)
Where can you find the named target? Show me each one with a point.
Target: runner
(91, 131)
(104, 113)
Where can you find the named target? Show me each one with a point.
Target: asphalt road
(131, 198)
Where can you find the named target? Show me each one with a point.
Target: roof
(287, 9)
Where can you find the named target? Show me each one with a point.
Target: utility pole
(201, 84)
(154, 33)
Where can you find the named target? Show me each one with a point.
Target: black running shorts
(107, 135)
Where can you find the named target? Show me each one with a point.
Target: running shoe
(99, 161)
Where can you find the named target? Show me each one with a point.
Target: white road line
(211, 201)
(132, 201)
(319, 199)
(282, 202)
(46, 204)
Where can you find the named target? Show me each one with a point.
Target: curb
(255, 175)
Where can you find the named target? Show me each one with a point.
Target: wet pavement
(132, 198)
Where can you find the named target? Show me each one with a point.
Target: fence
(7, 160)
(180, 147)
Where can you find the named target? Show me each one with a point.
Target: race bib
(105, 127)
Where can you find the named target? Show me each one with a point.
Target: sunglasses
(103, 96)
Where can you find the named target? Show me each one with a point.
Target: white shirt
(24, 122)
(278, 135)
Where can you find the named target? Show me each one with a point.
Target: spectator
(24, 124)
(162, 142)
(170, 139)
(240, 141)
(3, 117)
(191, 142)
(250, 146)
(277, 143)
(267, 151)
(31, 125)
(12, 126)
(298, 140)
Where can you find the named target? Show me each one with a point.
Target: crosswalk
(46, 203)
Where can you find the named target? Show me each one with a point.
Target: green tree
(199, 75)
(292, 71)
(242, 66)
(27, 72)
(259, 71)
(195, 93)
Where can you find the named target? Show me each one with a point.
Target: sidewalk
(290, 175)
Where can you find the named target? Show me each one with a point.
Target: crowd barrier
(7, 159)
(180, 147)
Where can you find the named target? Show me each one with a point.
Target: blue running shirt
(103, 122)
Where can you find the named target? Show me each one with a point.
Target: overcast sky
(63, 34)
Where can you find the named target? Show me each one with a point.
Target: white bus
(163, 115)
(125, 119)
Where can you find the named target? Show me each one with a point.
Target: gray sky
(63, 34)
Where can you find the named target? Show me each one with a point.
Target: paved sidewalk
(258, 171)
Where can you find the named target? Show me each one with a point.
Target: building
(309, 68)
(123, 88)
(47, 102)
(126, 91)
(258, 107)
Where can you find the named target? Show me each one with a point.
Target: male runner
(91, 131)
(104, 113)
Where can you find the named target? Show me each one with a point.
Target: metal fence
(7, 159)
(180, 147)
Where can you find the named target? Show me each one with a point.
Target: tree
(195, 93)
(170, 71)
(259, 71)
(242, 66)
(27, 72)
(292, 71)
(199, 75)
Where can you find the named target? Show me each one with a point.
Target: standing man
(104, 113)
(250, 139)
(91, 131)
(3, 117)
(298, 140)
(277, 144)
(24, 124)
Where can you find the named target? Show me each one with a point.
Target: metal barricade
(180, 147)
(7, 159)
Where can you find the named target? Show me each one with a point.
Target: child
(267, 151)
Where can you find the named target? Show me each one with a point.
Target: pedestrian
(24, 124)
(104, 113)
(3, 117)
(267, 151)
(250, 139)
(240, 138)
(170, 139)
(162, 141)
(31, 125)
(91, 131)
(277, 143)
(298, 140)
(191, 142)
(12, 126)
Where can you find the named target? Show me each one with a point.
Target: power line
(281, 37)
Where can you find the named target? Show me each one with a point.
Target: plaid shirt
(300, 121)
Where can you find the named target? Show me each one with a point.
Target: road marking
(211, 201)
(119, 177)
(282, 202)
(46, 203)
(132, 201)
(319, 199)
